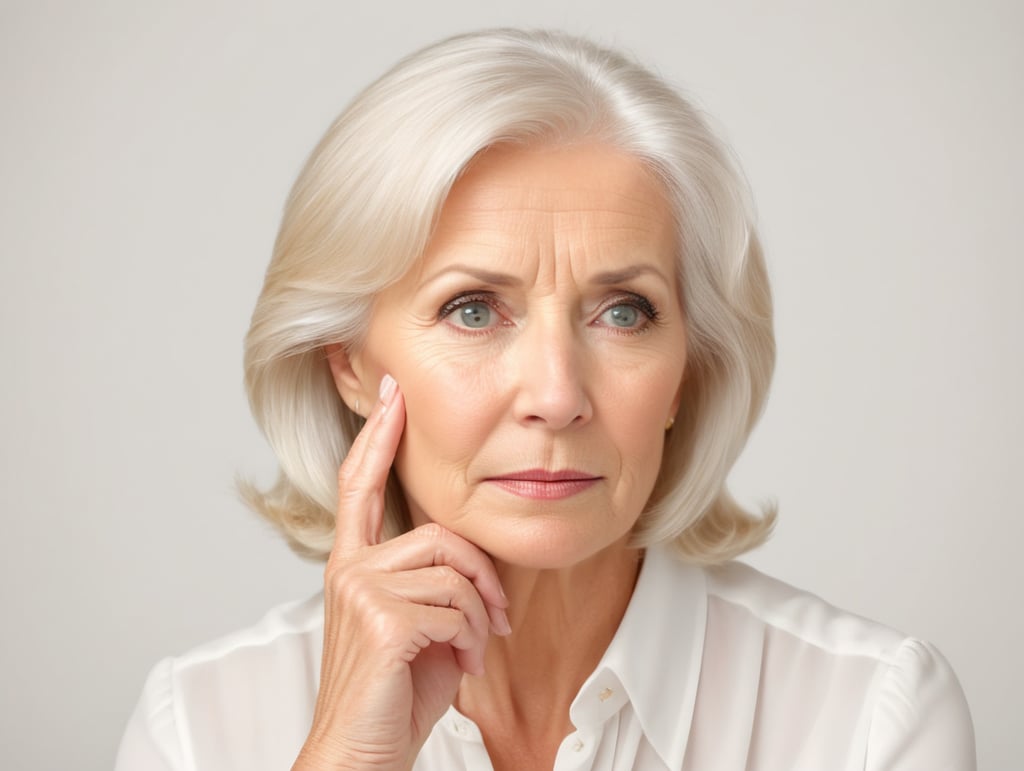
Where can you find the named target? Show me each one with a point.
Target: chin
(543, 542)
(532, 533)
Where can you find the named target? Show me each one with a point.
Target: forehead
(547, 195)
(552, 176)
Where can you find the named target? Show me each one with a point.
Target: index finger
(363, 475)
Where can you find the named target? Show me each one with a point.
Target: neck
(562, 622)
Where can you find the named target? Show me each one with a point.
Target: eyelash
(641, 303)
(465, 299)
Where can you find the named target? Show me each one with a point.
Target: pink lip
(546, 485)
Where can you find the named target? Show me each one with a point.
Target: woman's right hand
(403, 619)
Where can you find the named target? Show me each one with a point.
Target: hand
(403, 619)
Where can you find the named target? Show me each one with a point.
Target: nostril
(550, 387)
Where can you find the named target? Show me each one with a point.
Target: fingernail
(501, 625)
(387, 388)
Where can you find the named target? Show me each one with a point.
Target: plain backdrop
(146, 152)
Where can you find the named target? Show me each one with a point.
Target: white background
(146, 152)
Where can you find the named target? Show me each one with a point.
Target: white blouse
(711, 669)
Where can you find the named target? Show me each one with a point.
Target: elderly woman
(518, 298)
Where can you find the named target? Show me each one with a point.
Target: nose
(550, 377)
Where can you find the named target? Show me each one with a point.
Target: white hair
(364, 206)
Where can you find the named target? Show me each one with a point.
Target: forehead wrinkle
(595, 224)
(514, 213)
(499, 255)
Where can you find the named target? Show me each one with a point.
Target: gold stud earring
(669, 423)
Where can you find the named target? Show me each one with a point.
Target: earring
(357, 407)
(669, 423)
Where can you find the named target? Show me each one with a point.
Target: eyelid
(638, 301)
(650, 316)
(621, 297)
(465, 298)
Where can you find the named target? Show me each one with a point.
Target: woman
(518, 297)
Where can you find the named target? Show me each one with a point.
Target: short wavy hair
(362, 211)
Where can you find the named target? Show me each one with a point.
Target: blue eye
(630, 312)
(622, 316)
(475, 315)
(470, 312)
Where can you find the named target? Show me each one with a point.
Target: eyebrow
(611, 277)
(484, 276)
(605, 278)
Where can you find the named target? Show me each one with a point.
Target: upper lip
(543, 475)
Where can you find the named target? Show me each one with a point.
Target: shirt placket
(597, 709)
(471, 742)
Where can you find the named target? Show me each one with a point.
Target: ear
(348, 379)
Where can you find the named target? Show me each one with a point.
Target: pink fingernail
(502, 626)
(388, 386)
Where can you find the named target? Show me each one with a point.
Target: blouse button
(578, 745)
(605, 694)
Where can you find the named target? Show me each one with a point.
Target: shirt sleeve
(151, 740)
(921, 719)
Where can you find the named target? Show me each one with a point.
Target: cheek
(637, 406)
(451, 404)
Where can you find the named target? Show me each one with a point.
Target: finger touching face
(540, 346)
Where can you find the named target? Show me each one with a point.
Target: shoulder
(276, 638)
(210, 707)
(743, 592)
(921, 717)
(897, 697)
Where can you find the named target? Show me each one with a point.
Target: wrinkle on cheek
(450, 394)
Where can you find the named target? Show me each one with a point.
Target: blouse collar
(654, 659)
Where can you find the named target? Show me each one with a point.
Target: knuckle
(440, 542)
(352, 480)
(450, 577)
(347, 582)
(346, 471)
(338, 579)
(353, 489)
(385, 627)
(355, 594)
(432, 531)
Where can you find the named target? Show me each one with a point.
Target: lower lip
(544, 491)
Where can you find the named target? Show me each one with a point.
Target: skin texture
(542, 331)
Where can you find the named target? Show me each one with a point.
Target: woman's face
(540, 346)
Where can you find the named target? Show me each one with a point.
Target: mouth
(541, 484)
